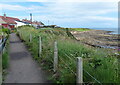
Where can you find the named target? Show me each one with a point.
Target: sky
(65, 13)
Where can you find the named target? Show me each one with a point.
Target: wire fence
(92, 77)
(87, 71)
(67, 65)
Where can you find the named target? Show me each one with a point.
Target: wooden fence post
(40, 46)
(30, 37)
(55, 57)
(79, 70)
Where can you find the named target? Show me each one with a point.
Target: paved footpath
(22, 68)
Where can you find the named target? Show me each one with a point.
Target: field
(101, 64)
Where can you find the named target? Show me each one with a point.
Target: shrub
(6, 30)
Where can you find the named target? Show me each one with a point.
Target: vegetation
(4, 58)
(102, 64)
(5, 61)
(6, 30)
(79, 29)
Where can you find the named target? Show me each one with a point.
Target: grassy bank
(102, 64)
(4, 59)
(4, 56)
(3, 65)
(4, 62)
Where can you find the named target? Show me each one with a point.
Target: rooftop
(8, 20)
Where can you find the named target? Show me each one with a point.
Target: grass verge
(100, 63)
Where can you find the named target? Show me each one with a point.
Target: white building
(20, 23)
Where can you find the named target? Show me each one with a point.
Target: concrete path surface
(22, 68)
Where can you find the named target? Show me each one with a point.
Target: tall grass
(5, 60)
(5, 56)
(100, 63)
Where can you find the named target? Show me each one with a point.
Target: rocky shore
(98, 38)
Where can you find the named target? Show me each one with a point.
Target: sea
(114, 30)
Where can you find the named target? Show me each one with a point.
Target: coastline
(98, 38)
(112, 30)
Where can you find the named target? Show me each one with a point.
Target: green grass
(5, 63)
(5, 60)
(79, 29)
(100, 63)
(5, 32)
(5, 56)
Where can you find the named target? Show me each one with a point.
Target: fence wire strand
(92, 76)
(70, 58)
(83, 69)
(68, 67)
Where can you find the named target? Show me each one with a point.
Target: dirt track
(22, 68)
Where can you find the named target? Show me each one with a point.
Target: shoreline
(107, 31)
(98, 38)
(112, 30)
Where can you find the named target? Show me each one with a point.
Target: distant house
(20, 23)
(8, 22)
(11, 23)
(27, 22)
(37, 24)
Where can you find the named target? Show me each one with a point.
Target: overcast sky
(65, 13)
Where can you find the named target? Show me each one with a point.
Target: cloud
(69, 13)
(12, 7)
(85, 8)
(86, 21)
(73, 0)
(59, 1)
(64, 7)
(100, 19)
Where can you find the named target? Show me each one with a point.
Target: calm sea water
(115, 30)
